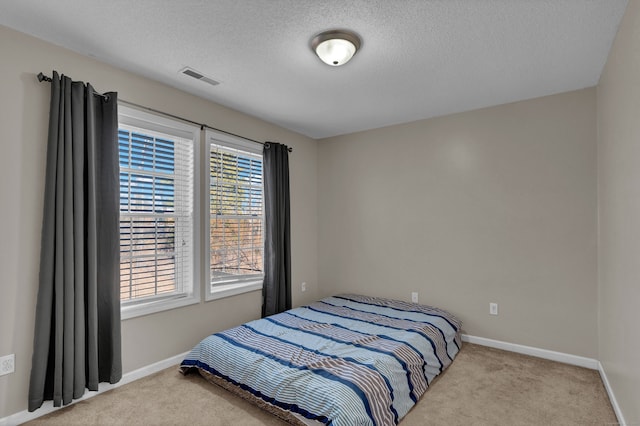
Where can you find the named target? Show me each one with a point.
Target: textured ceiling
(419, 58)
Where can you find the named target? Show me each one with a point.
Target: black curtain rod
(42, 77)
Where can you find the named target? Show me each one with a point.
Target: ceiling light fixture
(335, 47)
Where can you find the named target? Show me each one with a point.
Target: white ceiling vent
(198, 76)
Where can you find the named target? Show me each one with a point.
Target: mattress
(343, 360)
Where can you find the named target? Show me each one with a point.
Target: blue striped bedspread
(344, 360)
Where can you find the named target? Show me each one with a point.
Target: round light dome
(335, 48)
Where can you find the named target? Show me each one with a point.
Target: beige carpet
(483, 386)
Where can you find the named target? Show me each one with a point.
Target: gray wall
(493, 205)
(619, 215)
(24, 106)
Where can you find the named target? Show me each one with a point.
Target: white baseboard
(580, 361)
(537, 352)
(612, 397)
(47, 406)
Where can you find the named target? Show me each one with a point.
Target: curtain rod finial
(267, 144)
(42, 77)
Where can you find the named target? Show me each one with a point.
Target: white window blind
(156, 214)
(236, 215)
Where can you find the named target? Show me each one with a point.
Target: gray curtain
(276, 289)
(77, 329)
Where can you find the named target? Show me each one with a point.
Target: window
(236, 222)
(161, 248)
(158, 212)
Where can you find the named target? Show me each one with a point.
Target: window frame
(218, 291)
(156, 123)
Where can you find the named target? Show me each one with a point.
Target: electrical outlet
(7, 364)
(493, 308)
(303, 287)
(414, 297)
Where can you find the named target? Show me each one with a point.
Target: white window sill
(153, 306)
(226, 290)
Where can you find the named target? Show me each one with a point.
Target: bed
(343, 360)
